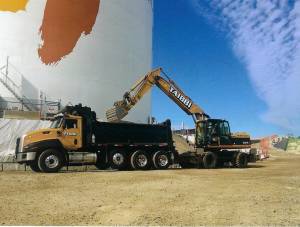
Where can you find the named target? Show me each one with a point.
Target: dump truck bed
(132, 133)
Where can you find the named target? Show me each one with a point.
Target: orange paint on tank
(63, 23)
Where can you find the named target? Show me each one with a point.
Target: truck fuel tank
(82, 158)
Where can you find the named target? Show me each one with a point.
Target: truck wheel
(140, 160)
(118, 159)
(34, 167)
(50, 161)
(101, 162)
(161, 160)
(210, 160)
(241, 160)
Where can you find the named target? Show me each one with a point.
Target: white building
(92, 57)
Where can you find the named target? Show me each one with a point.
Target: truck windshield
(56, 123)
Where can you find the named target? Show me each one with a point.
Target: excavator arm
(142, 86)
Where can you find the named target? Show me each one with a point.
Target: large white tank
(78, 50)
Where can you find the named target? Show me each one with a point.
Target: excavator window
(212, 128)
(224, 128)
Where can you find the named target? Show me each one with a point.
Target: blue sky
(200, 48)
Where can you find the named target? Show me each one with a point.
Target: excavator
(214, 145)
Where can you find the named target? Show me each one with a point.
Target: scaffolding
(18, 101)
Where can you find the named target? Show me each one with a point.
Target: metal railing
(44, 107)
(184, 131)
(7, 72)
(13, 80)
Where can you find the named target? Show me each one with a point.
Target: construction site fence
(14, 166)
(184, 131)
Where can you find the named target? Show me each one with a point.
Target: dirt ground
(267, 193)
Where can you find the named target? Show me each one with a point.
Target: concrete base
(6, 166)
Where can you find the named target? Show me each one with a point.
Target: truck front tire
(210, 160)
(50, 161)
(161, 160)
(140, 160)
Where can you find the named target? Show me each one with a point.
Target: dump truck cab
(64, 133)
(69, 137)
(68, 131)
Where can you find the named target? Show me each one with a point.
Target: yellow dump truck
(75, 137)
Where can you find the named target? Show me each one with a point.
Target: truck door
(71, 135)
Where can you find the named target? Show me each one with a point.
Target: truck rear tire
(241, 160)
(118, 159)
(210, 160)
(50, 161)
(140, 160)
(161, 160)
(35, 167)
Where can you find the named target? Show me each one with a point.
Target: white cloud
(265, 35)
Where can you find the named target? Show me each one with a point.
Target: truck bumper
(25, 157)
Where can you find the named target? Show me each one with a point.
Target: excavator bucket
(115, 114)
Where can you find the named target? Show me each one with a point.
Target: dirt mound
(181, 144)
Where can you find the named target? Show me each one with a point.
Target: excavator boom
(143, 85)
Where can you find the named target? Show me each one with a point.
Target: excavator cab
(212, 132)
